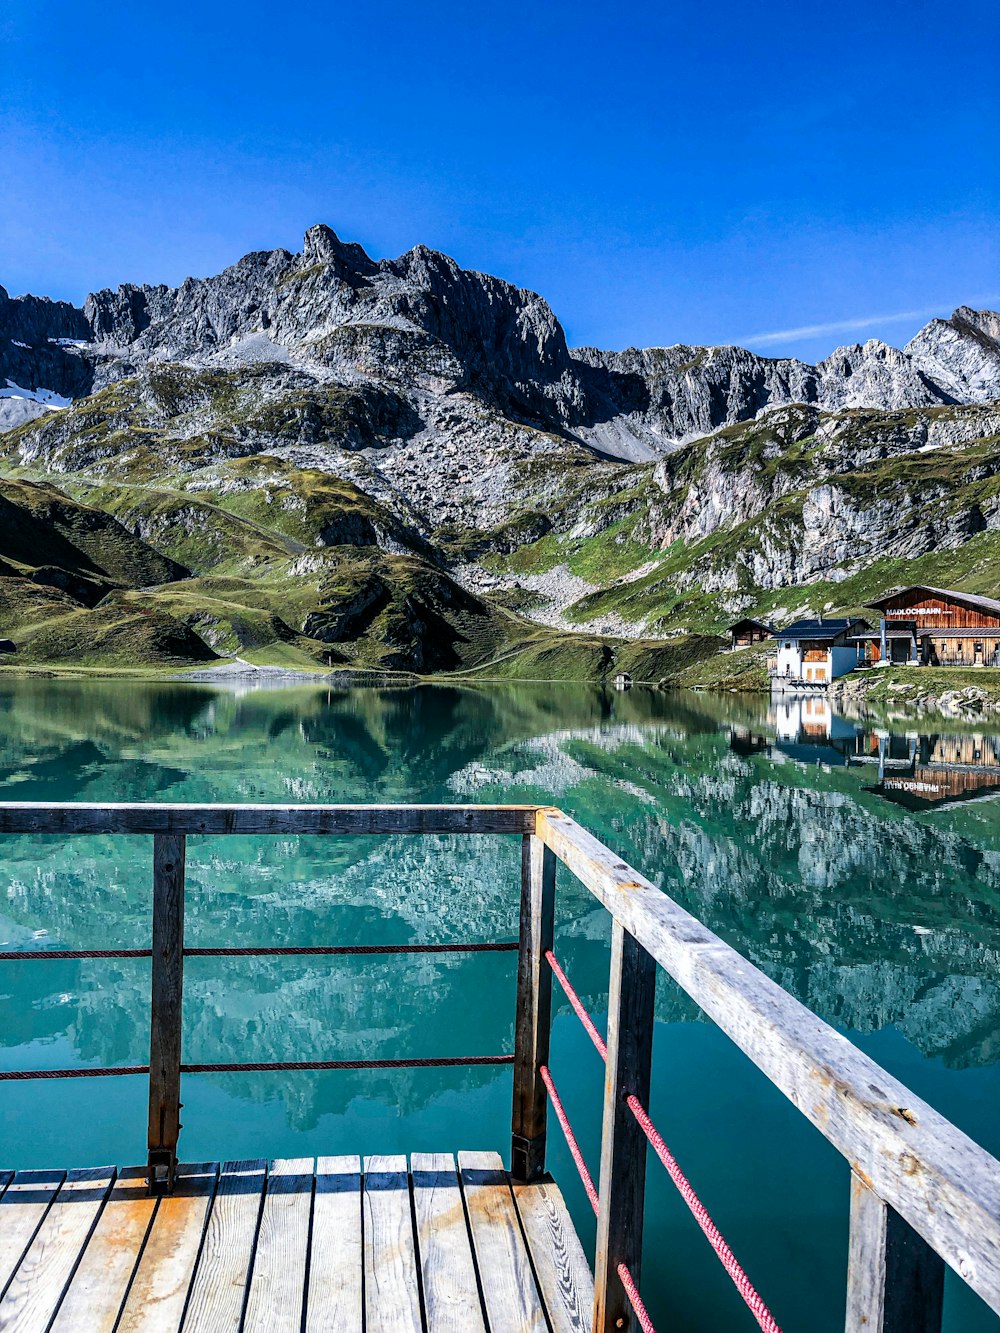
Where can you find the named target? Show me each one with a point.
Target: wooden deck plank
(37, 1286)
(156, 1299)
(97, 1290)
(451, 1289)
(561, 1267)
(218, 1292)
(25, 1202)
(277, 1286)
(511, 1297)
(335, 1302)
(448, 1250)
(392, 1298)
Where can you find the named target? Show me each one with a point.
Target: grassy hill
(184, 516)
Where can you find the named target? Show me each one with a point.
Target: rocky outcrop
(961, 355)
(40, 362)
(432, 331)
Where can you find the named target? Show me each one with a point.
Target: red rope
(635, 1300)
(714, 1236)
(15, 1075)
(701, 1215)
(266, 1067)
(442, 1062)
(363, 949)
(627, 1281)
(574, 1147)
(50, 955)
(47, 955)
(577, 1004)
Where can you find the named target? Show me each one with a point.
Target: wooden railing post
(622, 1189)
(895, 1281)
(534, 1008)
(165, 1010)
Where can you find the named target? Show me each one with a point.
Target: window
(787, 645)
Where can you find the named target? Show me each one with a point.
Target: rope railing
(627, 1281)
(730, 1263)
(261, 951)
(263, 1067)
(570, 1137)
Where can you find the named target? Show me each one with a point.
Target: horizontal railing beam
(941, 1182)
(70, 817)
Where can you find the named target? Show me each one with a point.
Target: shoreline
(900, 694)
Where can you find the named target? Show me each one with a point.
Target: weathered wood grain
(278, 1284)
(159, 1290)
(560, 1264)
(933, 1175)
(622, 1188)
(25, 1202)
(165, 1008)
(392, 1300)
(510, 1295)
(335, 1302)
(451, 1289)
(895, 1281)
(533, 1018)
(42, 1275)
(98, 1286)
(156, 817)
(220, 1281)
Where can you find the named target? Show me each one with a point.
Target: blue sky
(661, 173)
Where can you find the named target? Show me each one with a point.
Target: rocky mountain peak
(961, 355)
(322, 245)
(425, 326)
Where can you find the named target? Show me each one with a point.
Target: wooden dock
(303, 1245)
(292, 1245)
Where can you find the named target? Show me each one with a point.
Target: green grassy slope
(167, 519)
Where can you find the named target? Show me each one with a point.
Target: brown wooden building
(747, 632)
(933, 627)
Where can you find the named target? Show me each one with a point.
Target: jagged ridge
(302, 423)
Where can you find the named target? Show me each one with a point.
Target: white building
(812, 653)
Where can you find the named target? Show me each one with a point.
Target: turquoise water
(859, 869)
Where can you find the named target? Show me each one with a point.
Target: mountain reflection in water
(849, 863)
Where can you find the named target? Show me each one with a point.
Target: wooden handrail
(922, 1190)
(940, 1182)
(156, 817)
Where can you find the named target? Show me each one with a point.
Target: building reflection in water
(918, 771)
(808, 731)
(922, 772)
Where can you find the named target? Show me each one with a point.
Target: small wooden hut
(747, 632)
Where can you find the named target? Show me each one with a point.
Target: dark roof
(897, 634)
(988, 604)
(816, 629)
(755, 624)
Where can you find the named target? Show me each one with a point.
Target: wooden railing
(922, 1192)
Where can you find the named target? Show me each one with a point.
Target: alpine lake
(858, 867)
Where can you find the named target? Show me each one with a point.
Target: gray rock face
(36, 351)
(961, 354)
(432, 331)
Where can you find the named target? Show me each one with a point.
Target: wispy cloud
(854, 325)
